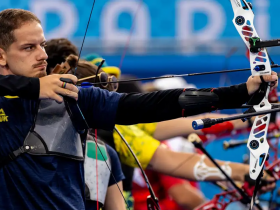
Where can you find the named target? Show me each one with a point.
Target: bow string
(152, 201)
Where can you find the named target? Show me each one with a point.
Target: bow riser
(257, 144)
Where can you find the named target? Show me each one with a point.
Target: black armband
(196, 102)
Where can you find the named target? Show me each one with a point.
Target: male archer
(33, 178)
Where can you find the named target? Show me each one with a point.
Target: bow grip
(74, 111)
(258, 96)
(67, 80)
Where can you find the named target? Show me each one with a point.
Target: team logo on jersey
(3, 116)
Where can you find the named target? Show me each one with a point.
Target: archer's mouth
(41, 67)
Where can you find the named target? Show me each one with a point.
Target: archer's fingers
(66, 92)
(271, 78)
(69, 76)
(57, 98)
(274, 73)
(274, 85)
(269, 187)
(68, 86)
(268, 183)
(71, 87)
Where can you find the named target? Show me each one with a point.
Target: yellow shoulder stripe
(11, 96)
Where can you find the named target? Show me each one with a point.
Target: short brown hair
(58, 50)
(12, 19)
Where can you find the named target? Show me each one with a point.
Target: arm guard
(194, 101)
(198, 101)
(202, 171)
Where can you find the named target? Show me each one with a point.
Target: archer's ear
(3, 58)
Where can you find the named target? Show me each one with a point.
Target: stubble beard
(41, 74)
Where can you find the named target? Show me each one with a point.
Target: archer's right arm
(47, 87)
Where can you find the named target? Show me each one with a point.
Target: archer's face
(27, 56)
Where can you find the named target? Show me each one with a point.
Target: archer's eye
(44, 46)
(29, 48)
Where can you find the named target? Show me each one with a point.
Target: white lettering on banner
(185, 20)
(262, 18)
(66, 11)
(112, 35)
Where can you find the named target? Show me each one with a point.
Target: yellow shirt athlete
(141, 142)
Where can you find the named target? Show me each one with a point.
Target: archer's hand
(267, 183)
(51, 87)
(254, 82)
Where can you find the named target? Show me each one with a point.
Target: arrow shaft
(179, 75)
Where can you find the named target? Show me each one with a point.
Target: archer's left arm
(170, 104)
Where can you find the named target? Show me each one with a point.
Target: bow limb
(97, 146)
(152, 200)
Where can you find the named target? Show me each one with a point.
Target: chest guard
(53, 132)
(92, 171)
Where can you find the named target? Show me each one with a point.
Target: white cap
(172, 83)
